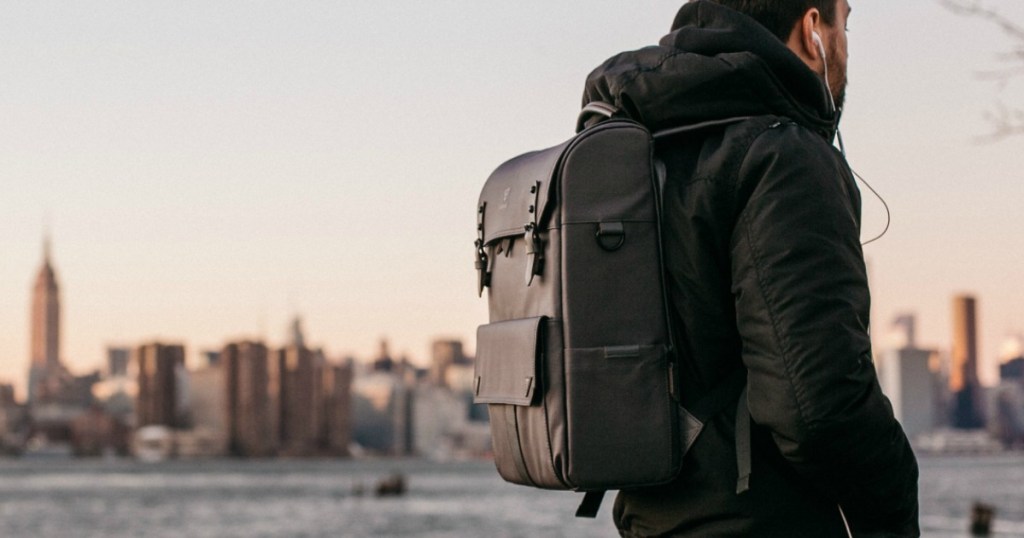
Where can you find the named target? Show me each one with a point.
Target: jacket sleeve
(802, 305)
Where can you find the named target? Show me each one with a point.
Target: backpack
(577, 365)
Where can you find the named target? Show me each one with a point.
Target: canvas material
(583, 311)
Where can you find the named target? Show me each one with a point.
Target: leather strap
(699, 126)
(594, 108)
(590, 504)
(743, 444)
(715, 402)
(514, 446)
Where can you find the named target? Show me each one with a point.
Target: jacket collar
(716, 63)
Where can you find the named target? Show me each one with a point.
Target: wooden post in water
(981, 519)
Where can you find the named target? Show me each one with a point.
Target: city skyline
(207, 172)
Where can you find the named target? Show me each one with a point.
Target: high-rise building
(382, 413)
(117, 361)
(1011, 359)
(7, 395)
(1012, 370)
(907, 380)
(902, 332)
(252, 427)
(384, 362)
(45, 371)
(296, 334)
(159, 366)
(338, 407)
(964, 370)
(444, 355)
(301, 400)
(963, 373)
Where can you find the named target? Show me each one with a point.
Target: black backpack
(577, 365)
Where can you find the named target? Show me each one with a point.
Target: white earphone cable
(842, 147)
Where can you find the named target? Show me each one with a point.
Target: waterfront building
(907, 380)
(301, 399)
(1011, 360)
(160, 369)
(902, 332)
(207, 413)
(1007, 422)
(444, 355)
(338, 407)
(383, 362)
(117, 390)
(382, 410)
(963, 374)
(96, 432)
(1007, 398)
(444, 426)
(46, 373)
(248, 405)
(55, 396)
(117, 361)
(1012, 370)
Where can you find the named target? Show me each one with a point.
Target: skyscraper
(301, 399)
(252, 420)
(444, 355)
(117, 361)
(907, 381)
(963, 373)
(45, 370)
(338, 407)
(901, 332)
(159, 366)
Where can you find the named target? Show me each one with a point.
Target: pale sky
(210, 169)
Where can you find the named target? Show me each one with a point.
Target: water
(314, 499)
(949, 485)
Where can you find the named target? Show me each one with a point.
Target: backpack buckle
(534, 253)
(482, 265)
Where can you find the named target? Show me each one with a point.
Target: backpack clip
(534, 253)
(483, 274)
(534, 249)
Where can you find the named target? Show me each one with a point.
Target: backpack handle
(594, 108)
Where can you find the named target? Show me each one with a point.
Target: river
(225, 498)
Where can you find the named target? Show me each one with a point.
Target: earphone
(817, 41)
(824, 61)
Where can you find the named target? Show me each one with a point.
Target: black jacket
(765, 272)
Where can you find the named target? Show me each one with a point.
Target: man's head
(795, 22)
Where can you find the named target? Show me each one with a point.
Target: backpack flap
(515, 202)
(506, 364)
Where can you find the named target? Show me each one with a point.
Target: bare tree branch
(976, 8)
(1005, 121)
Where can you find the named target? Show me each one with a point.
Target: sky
(209, 170)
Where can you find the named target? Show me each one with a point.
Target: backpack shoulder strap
(694, 127)
(590, 504)
(594, 108)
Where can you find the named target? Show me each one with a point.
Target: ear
(801, 39)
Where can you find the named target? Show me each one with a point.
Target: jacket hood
(716, 63)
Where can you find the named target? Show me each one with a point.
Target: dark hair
(779, 16)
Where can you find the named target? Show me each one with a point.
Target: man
(766, 275)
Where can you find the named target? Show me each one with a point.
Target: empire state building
(46, 370)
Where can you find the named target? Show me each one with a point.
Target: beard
(837, 77)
